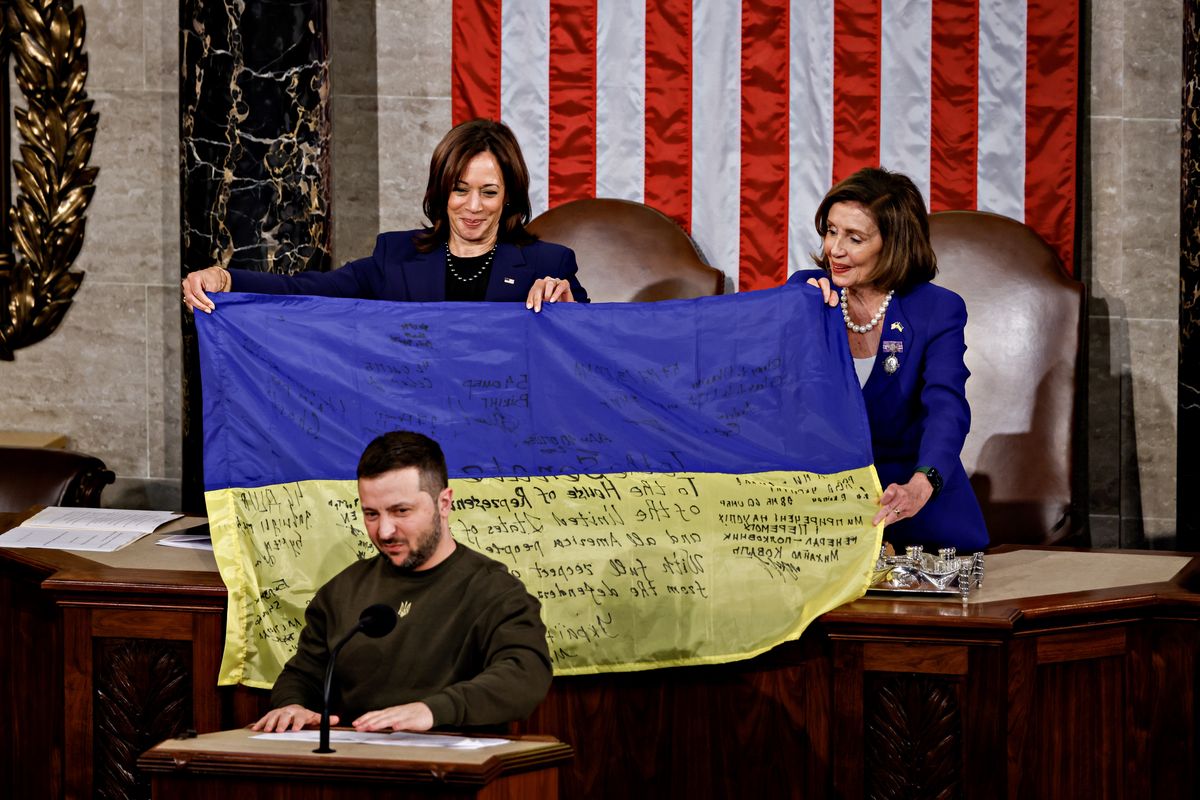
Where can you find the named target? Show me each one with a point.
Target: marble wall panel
(1150, 219)
(114, 44)
(1153, 353)
(1106, 43)
(160, 38)
(1105, 213)
(163, 365)
(88, 379)
(97, 355)
(255, 121)
(113, 431)
(356, 182)
(1106, 360)
(409, 129)
(133, 221)
(1159, 533)
(155, 493)
(354, 48)
(1153, 52)
(104, 378)
(414, 52)
(1105, 530)
(1131, 242)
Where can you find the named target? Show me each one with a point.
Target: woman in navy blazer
(476, 247)
(906, 338)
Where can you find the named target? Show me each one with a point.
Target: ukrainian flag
(683, 482)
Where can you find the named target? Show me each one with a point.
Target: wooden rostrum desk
(238, 765)
(1072, 674)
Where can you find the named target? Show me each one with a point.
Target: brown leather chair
(1023, 350)
(37, 476)
(629, 251)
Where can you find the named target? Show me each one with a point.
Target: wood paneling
(1054, 648)
(759, 727)
(1084, 695)
(931, 659)
(1079, 728)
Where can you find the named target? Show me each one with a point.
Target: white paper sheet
(106, 519)
(396, 739)
(188, 541)
(100, 541)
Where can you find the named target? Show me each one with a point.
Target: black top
(467, 277)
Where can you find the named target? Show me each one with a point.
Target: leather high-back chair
(1023, 351)
(628, 251)
(38, 476)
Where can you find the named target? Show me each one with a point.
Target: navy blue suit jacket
(397, 271)
(919, 414)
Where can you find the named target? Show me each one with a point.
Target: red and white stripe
(734, 118)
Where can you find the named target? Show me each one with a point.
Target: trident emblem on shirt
(404, 608)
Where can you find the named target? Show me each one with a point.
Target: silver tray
(920, 573)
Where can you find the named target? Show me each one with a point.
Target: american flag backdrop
(735, 116)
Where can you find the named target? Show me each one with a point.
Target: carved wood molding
(913, 745)
(143, 695)
(43, 229)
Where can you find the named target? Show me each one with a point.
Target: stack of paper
(94, 529)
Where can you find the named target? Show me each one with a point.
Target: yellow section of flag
(634, 570)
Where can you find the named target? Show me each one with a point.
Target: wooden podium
(236, 764)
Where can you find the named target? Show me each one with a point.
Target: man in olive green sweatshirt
(469, 647)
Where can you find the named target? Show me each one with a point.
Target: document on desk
(98, 530)
(188, 541)
(398, 739)
(112, 519)
(96, 541)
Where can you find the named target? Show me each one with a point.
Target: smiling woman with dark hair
(475, 247)
(906, 337)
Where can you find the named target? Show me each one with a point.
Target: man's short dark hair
(404, 449)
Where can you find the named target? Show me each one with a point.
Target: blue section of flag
(295, 387)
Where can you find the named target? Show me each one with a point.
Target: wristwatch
(935, 479)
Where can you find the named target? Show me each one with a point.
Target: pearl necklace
(874, 320)
(469, 278)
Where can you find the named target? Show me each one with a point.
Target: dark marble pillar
(254, 156)
(6, 254)
(1188, 469)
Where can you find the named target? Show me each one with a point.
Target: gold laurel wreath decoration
(45, 39)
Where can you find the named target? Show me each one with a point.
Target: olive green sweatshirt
(469, 643)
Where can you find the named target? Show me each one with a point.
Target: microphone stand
(324, 747)
(375, 621)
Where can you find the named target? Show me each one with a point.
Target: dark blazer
(919, 414)
(397, 271)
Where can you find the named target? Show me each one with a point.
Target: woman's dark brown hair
(450, 158)
(907, 257)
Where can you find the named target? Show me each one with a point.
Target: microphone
(375, 621)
